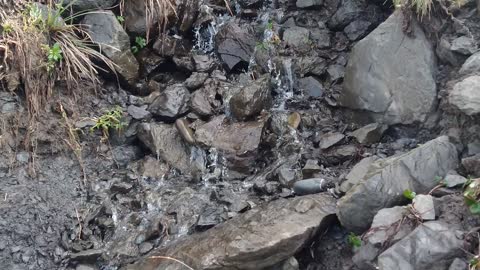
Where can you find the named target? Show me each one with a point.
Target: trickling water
(205, 34)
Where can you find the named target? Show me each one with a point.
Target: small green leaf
(354, 240)
(141, 42)
(475, 208)
(120, 19)
(409, 194)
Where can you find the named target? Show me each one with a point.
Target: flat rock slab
(386, 180)
(257, 239)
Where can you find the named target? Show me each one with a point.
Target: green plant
(409, 194)
(54, 56)
(354, 240)
(109, 120)
(6, 28)
(140, 43)
(121, 19)
(471, 195)
(474, 263)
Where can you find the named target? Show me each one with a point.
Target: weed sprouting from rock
(110, 120)
(354, 240)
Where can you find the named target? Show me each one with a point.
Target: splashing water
(205, 34)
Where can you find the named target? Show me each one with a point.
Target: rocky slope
(258, 140)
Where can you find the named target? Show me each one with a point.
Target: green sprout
(409, 194)
(140, 43)
(120, 19)
(54, 56)
(354, 240)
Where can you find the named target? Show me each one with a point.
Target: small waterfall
(205, 34)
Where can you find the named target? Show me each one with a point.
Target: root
(171, 259)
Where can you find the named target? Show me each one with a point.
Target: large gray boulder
(257, 239)
(391, 75)
(466, 95)
(114, 42)
(386, 180)
(433, 245)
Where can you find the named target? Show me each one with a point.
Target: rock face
(235, 44)
(394, 87)
(433, 245)
(248, 241)
(105, 30)
(135, 17)
(251, 99)
(166, 143)
(466, 95)
(471, 65)
(240, 149)
(172, 102)
(386, 180)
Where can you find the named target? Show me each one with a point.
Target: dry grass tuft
(43, 49)
(424, 7)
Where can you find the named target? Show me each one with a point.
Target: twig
(171, 259)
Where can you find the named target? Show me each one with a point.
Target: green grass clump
(112, 119)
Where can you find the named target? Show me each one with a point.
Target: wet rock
(309, 3)
(311, 87)
(166, 143)
(240, 149)
(423, 204)
(286, 176)
(85, 267)
(297, 38)
(310, 186)
(200, 103)
(464, 45)
(346, 13)
(309, 65)
(138, 113)
(184, 63)
(172, 102)
(195, 81)
(381, 186)
(357, 173)
(458, 264)
(185, 131)
(294, 120)
(471, 65)
(250, 236)
(357, 29)
(466, 95)
(369, 134)
(472, 165)
(153, 168)
(189, 10)
(105, 30)
(391, 91)
(88, 5)
(168, 46)
(311, 168)
(330, 139)
(235, 45)
(204, 63)
(432, 245)
(251, 99)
